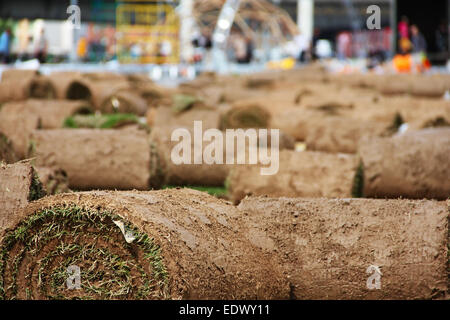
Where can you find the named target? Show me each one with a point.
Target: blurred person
(41, 47)
(23, 37)
(240, 48)
(315, 39)
(249, 50)
(302, 45)
(30, 48)
(441, 37)
(403, 27)
(375, 58)
(110, 34)
(5, 46)
(419, 45)
(82, 48)
(402, 61)
(136, 51)
(343, 49)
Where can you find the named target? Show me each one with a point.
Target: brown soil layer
(325, 247)
(17, 123)
(18, 186)
(187, 247)
(54, 181)
(413, 165)
(95, 158)
(301, 174)
(7, 153)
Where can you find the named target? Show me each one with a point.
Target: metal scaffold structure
(252, 18)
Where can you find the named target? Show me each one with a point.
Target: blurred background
(179, 39)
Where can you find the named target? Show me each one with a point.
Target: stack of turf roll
(99, 158)
(413, 165)
(301, 174)
(354, 248)
(171, 244)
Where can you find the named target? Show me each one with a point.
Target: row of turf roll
(185, 244)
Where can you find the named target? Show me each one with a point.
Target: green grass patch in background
(219, 192)
(101, 121)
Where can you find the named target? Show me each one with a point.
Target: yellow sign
(147, 32)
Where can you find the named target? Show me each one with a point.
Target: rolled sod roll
(354, 248)
(167, 117)
(185, 174)
(52, 113)
(171, 244)
(19, 184)
(17, 123)
(245, 115)
(301, 174)
(104, 76)
(124, 101)
(338, 134)
(70, 85)
(20, 74)
(153, 94)
(430, 88)
(296, 122)
(138, 78)
(202, 174)
(7, 153)
(394, 85)
(413, 165)
(42, 88)
(102, 91)
(54, 181)
(98, 159)
(21, 89)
